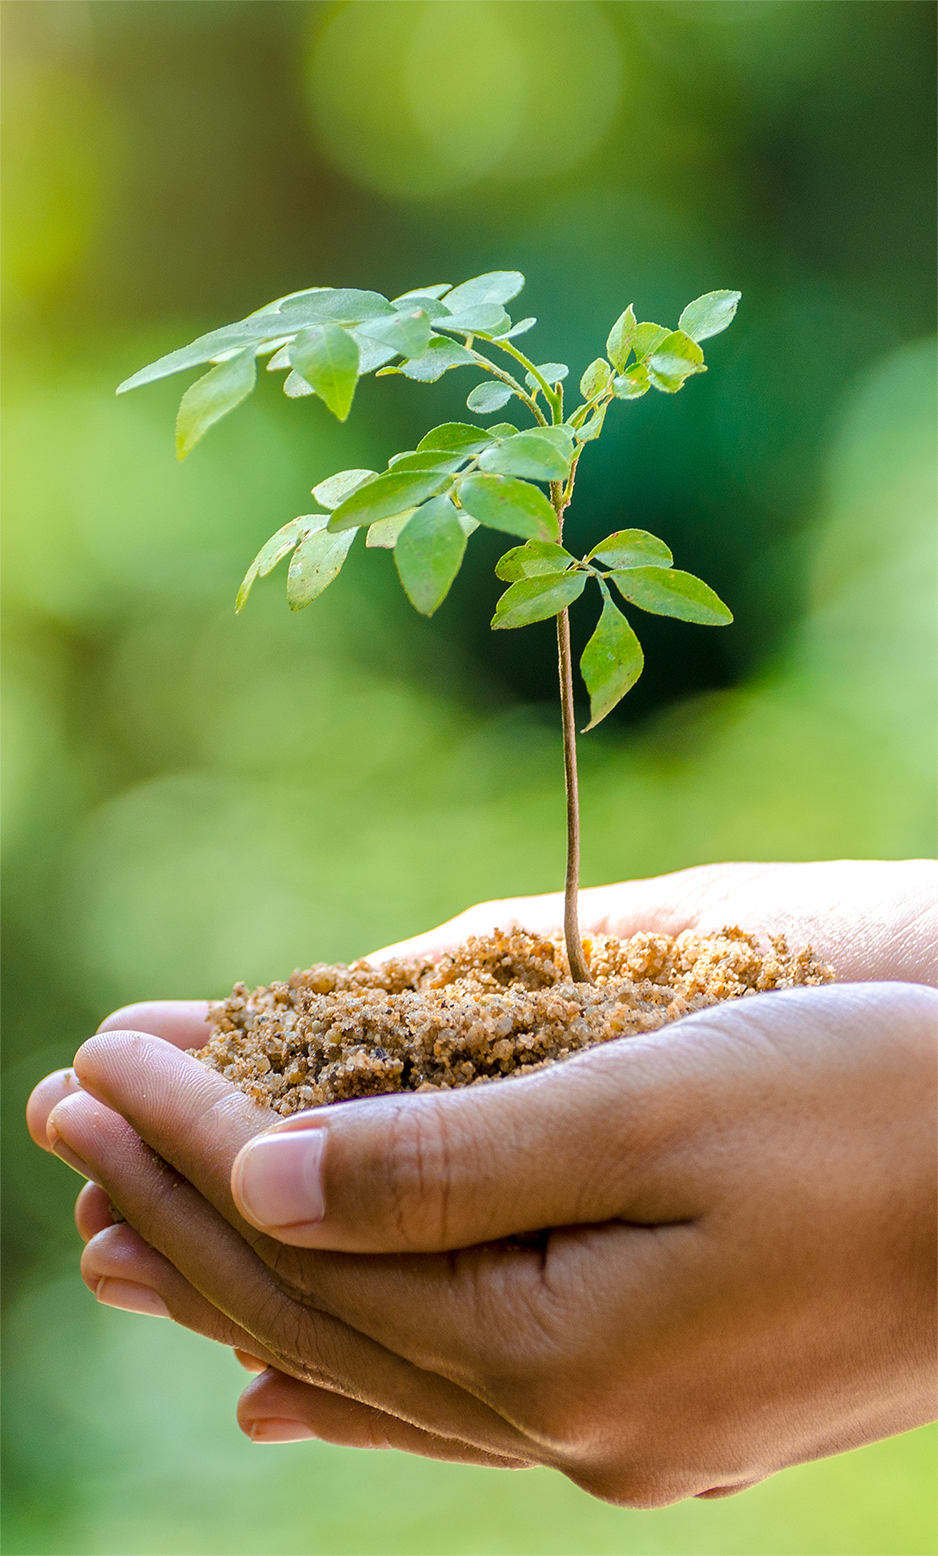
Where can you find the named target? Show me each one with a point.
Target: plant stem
(571, 926)
(553, 398)
(561, 494)
(512, 383)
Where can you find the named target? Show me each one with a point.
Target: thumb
(585, 1141)
(644, 1129)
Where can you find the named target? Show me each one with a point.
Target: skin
(731, 1266)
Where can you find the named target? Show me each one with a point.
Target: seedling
(431, 499)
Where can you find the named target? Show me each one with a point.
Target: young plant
(431, 499)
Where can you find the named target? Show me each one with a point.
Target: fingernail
(249, 1363)
(279, 1178)
(277, 1431)
(65, 1154)
(132, 1298)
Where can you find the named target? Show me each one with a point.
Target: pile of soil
(500, 1005)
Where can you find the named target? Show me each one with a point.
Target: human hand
(872, 919)
(735, 1274)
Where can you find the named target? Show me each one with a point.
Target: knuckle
(415, 1175)
(288, 1265)
(304, 1346)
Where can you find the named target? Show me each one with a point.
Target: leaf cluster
(431, 499)
(326, 338)
(544, 579)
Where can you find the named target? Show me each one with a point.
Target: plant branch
(512, 383)
(567, 496)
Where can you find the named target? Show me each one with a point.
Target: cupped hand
(872, 919)
(668, 1267)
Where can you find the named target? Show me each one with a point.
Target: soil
(500, 1005)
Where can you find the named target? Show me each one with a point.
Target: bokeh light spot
(419, 99)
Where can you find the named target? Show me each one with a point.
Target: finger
(203, 1248)
(51, 1090)
(248, 1362)
(277, 1409)
(124, 1257)
(634, 1130)
(184, 1023)
(577, 1143)
(124, 1271)
(190, 1115)
(93, 1212)
(405, 1173)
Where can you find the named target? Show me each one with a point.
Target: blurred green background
(192, 799)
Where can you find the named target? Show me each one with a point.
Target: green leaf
(481, 319)
(502, 502)
(535, 599)
(489, 397)
(674, 360)
(389, 494)
(408, 334)
(594, 426)
(294, 387)
(278, 302)
(273, 551)
(534, 557)
(212, 396)
(427, 459)
(429, 553)
(459, 436)
(371, 354)
(315, 563)
(337, 487)
(498, 286)
(430, 305)
(333, 305)
(386, 531)
(327, 357)
(709, 315)
(619, 343)
(521, 328)
(560, 435)
(439, 357)
(280, 360)
(611, 662)
(435, 291)
(595, 378)
(552, 372)
(208, 348)
(646, 337)
(632, 384)
(530, 454)
(667, 592)
(500, 429)
(631, 548)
